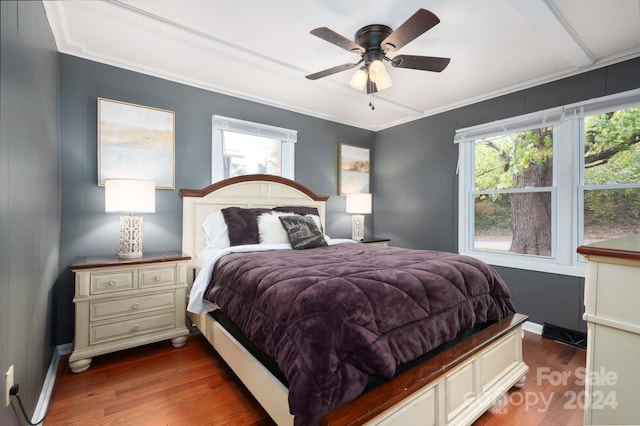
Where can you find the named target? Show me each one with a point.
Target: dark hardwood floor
(553, 394)
(161, 385)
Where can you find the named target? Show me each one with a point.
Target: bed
(455, 384)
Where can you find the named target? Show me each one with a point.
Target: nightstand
(376, 241)
(123, 303)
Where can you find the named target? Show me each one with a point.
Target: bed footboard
(454, 387)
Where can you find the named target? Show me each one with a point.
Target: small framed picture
(353, 169)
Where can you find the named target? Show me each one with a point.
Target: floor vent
(564, 335)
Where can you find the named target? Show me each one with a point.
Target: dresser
(612, 313)
(123, 303)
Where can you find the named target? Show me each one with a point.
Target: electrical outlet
(8, 382)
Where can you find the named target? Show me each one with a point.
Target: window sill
(526, 262)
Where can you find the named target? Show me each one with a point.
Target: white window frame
(567, 192)
(220, 124)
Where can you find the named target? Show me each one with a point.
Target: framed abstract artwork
(353, 169)
(136, 142)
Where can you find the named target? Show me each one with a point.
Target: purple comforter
(332, 316)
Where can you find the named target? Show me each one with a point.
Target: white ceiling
(262, 50)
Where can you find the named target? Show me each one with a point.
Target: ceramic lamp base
(357, 227)
(130, 237)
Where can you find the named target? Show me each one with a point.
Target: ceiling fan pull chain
(371, 102)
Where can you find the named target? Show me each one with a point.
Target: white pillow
(270, 229)
(216, 231)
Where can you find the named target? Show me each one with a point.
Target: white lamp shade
(359, 80)
(385, 83)
(129, 195)
(359, 203)
(377, 73)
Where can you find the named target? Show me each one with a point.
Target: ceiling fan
(373, 42)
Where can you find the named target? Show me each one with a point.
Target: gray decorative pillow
(303, 232)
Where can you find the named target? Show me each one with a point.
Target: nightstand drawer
(157, 277)
(133, 305)
(133, 327)
(112, 282)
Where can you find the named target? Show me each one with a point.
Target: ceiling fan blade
(423, 63)
(331, 36)
(417, 24)
(329, 71)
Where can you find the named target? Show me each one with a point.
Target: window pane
(492, 222)
(612, 147)
(247, 154)
(516, 160)
(514, 223)
(610, 213)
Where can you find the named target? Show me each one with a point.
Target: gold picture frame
(136, 142)
(354, 167)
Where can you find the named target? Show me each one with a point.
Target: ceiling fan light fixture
(372, 43)
(359, 79)
(377, 73)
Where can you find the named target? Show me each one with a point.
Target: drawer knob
(158, 278)
(112, 283)
(136, 305)
(135, 328)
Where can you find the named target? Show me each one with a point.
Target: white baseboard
(50, 380)
(533, 327)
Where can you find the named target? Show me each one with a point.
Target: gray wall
(417, 188)
(29, 198)
(87, 230)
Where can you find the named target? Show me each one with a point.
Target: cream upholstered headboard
(247, 191)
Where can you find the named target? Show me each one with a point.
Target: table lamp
(359, 205)
(131, 196)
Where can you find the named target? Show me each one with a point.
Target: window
(242, 147)
(512, 195)
(610, 174)
(533, 188)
